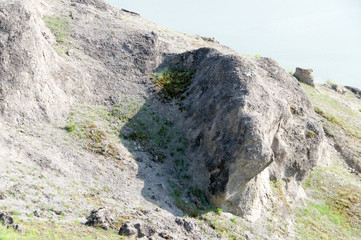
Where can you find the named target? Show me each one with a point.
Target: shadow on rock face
(225, 126)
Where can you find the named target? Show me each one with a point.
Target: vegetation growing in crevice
(310, 134)
(172, 83)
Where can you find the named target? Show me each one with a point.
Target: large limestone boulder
(248, 122)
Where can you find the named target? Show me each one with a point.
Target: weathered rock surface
(336, 87)
(248, 122)
(101, 217)
(127, 230)
(40, 83)
(354, 90)
(188, 226)
(144, 230)
(6, 219)
(305, 76)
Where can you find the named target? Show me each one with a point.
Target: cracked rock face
(248, 122)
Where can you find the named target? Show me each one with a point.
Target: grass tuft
(172, 83)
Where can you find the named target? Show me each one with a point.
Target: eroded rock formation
(248, 122)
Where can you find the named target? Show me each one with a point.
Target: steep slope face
(57, 53)
(334, 187)
(248, 122)
(27, 86)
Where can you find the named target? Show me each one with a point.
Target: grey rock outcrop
(337, 88)
(355, 90)
(144, 230)
(101, 217)
(248, 122)
(6, 219)
(127, 230)
(188, 226)
(138, 230)
(20, 229)
(305, 76)
(99, 4)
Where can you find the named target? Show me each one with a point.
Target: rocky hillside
(112, 127)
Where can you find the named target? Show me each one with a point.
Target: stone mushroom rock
(248, 122)
(305, 76)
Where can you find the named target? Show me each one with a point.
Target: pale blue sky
(324, 35)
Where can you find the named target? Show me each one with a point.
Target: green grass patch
(59, 26)
(94, 128)
(339, 122)
(101, 130)
(332, 108)
(330, 82)
(228, 227)
(334, 211)
(172, 83)
(36, 230)
(156, 134)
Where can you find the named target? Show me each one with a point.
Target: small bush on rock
(173, 83)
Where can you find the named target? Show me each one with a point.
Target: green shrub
(310, 134)
(173, 83)
(330, 82)
(70, 128)
(218, 211)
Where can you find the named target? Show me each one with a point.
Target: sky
(324, 35)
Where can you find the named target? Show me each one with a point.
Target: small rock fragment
(144, 230)
(337, 88)
(19, 229)
(165, 235)
(5, 218)
(2, 195)
(36, 213)
(127, 230)
(188, 226)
